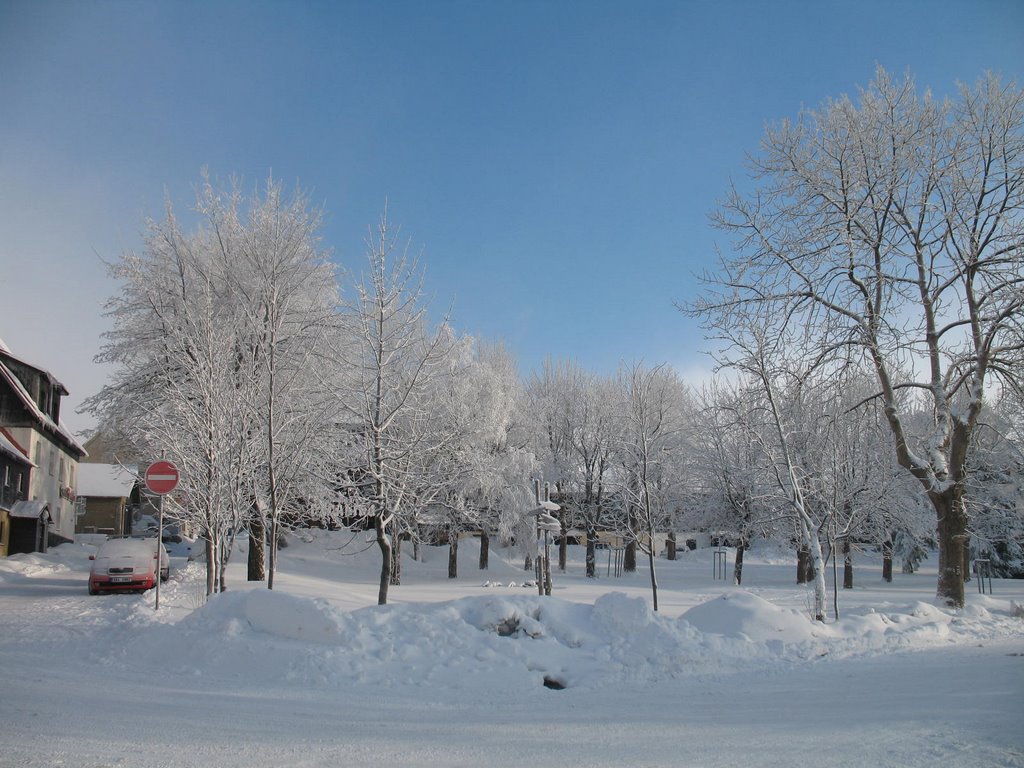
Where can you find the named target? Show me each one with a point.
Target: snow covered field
(451, 673)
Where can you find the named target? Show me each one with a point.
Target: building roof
(44, 420)
(9, 446)
(110, 481)
(31, 509)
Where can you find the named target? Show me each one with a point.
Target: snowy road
(67, 701)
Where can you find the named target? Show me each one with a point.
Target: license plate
(120, 579)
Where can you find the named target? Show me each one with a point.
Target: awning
(32, 509)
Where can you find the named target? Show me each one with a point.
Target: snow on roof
(34, 409)
(30, 509)
(111, 481)
(4, 347)
(8, 447)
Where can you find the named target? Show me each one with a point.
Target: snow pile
(515, 642)
(498, 639)
(27, 566)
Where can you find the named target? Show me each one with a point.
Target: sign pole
(159, 546)
(161, 478)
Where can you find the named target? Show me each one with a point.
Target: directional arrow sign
(546, 519)
(161, 477)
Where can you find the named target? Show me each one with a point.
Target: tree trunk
(396, 560)
(384, 543)
(737, 570)
(272, 554)
(654, 577)
(847, 565)
(591, 553)
(670, 546)
(563, 545)
(224, 550)
(453, 554)
(887, 560)
(257, 564)
(485, 550)
(212, 560)
(816, 573)
(629, 557)
(528, 563)
(952, 530)
(802, 559)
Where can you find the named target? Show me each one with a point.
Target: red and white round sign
(161, 477)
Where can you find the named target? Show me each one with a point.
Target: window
(53, 463)
(63, 471)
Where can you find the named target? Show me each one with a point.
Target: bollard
(983, 569)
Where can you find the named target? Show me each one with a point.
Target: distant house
(108, 494)
(41, 457)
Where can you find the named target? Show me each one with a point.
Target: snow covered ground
(451, 673)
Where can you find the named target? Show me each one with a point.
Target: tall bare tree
(176, 390)
(287, 294)
(651, 407)
(893, 225)
(389, 376)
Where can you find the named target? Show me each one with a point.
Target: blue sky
(554, 162)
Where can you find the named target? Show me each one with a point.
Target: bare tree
(176, 391)
(577, 435)
(286, 290)
(488, 465)
(729, 473)
(652, 402)
(389, 376)
(893, 226)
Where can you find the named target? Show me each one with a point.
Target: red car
(127, 564)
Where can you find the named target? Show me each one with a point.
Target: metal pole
(539, 569)
(547, 550)
(159, 543)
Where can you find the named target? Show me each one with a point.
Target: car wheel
(165, 574)
(93, 590)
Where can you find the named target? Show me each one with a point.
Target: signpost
(545, 523)
(161, 478)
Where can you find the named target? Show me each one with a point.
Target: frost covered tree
(892, 226)
(390, 363)
(286, 292)
(489, 464)
(729, 472)
(176, 391)
(651, 409)
(215, 341)
(575, 433)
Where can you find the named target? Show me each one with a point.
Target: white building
(30, 400)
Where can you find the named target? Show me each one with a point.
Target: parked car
(127, 564)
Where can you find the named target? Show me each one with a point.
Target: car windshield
(122, 547)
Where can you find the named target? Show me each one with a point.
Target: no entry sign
(161, 477)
